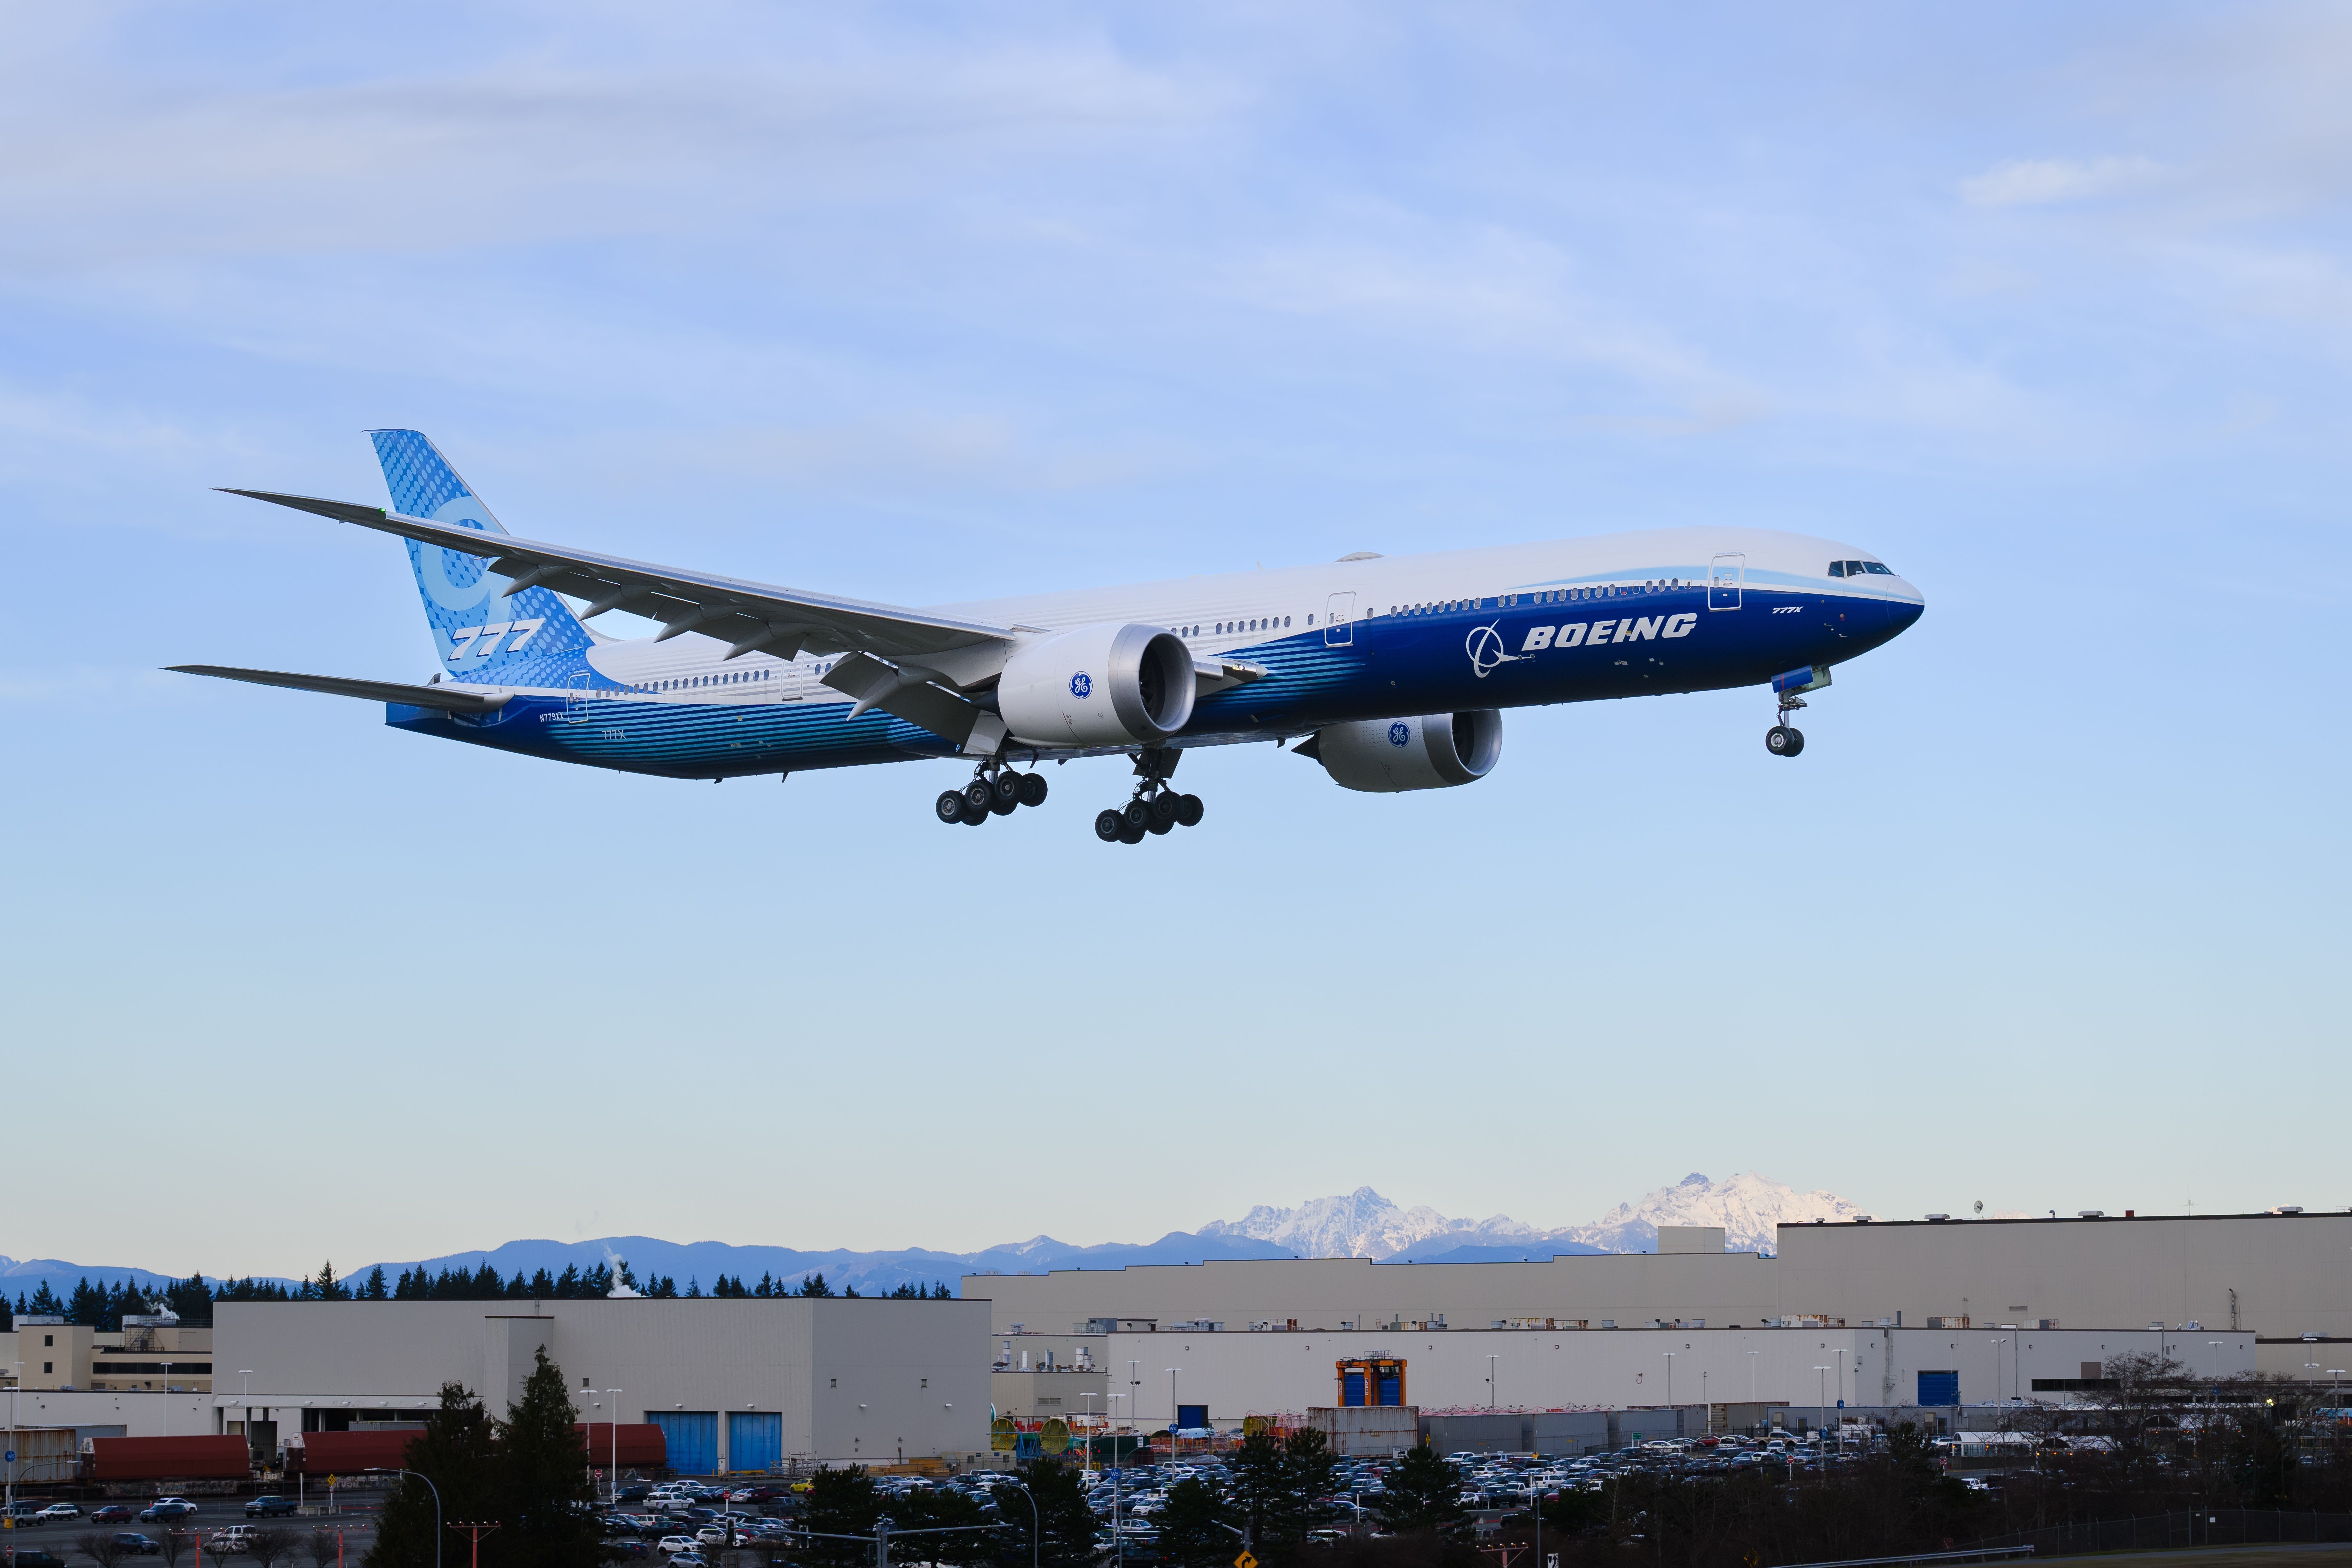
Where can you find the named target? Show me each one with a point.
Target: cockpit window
(1857, 568)
(1878, 568)
(1837, 568)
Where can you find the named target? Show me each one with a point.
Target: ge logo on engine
(1400, 732)
(1081, 686)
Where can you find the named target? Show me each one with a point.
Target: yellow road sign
(1246, 1560)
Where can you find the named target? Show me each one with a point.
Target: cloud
(2042, 182)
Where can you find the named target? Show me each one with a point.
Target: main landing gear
(994, 791)
(1155, 807)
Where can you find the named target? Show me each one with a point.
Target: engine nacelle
(1429, 751)
(1103, 685)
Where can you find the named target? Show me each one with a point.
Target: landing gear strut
(1784, 738)
(1155, 807)
(995, 791)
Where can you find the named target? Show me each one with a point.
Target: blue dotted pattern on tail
(462, 601)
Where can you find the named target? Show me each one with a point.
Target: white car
(711, 1535)
(59, 1510)
(670, 1545)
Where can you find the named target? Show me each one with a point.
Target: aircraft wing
(748, 617)
(453, 699)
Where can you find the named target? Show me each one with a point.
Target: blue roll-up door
(755, 1440)
(1939, 1388)
(693, 1439)
(1351, 1387)
(1191, 1417)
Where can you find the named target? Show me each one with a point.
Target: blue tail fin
(480, 634)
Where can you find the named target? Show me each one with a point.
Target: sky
(2049, 307)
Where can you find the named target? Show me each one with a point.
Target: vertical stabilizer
(481, 633)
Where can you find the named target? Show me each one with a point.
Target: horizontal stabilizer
(454, 699)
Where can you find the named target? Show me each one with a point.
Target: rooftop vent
(1938, 1218)
(2290, 1208)
(2091, 1214)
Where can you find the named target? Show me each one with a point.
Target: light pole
(1670, 1384)
(1840, 1353)
(1089, 1467)
(1036, 1528)
(1172, 1411)
(2217, 1346)
(1491, 1401)
(8, 1518)
(1821, 1393)
(1751, 1375)
(436, 1509)
(588, 1437)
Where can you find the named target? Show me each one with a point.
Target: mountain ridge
(1360, 1224)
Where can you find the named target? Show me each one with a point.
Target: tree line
(103, 1307)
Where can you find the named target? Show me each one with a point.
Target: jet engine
(1103, 685)
(1430, 750)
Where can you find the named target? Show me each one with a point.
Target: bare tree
(170, 1544)
(101, 1547)
(323, 1546)
(266, 1545)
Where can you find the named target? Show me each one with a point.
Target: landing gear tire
(999, 806)
(1188, 810)
(1161, 826)
(1007, 792)
(980, 794)
(1032, 789)
(949, 805)
(1109, 827)
(1782, 741)
(1164, 810)
(1138, 816)
(974, 815)
(1129, 833)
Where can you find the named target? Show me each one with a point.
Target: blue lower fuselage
(1506, 651)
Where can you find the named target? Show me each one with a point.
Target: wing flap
(450, 698)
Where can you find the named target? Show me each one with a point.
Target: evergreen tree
(931, 1508)
(1190, 1526)
(1276, 1486)
(840, 1502)
(664, 1288)
(813, 1285)
(567, 1284)
(1066, 1525)
(693, 1288)
(376, 1288)
(766, 1287)
(43, 1304)
(1423, 1493)
(545, 1468)
(457, 1452)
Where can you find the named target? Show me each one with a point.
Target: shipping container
(641, 1445)
(348, 1453)
(169, 1459)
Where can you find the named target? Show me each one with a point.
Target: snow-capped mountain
(1362, 1223)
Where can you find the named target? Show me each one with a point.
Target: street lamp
(1491, 1402)
(1751, 1375)
(436, 1509)
(16, 1369)
(587, 1437)
(1840, 1353)
(1821, 1393)
(1036, 1527)
(1172, 1411)
(1670, 1384)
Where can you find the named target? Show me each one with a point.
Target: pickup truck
(270, 1506)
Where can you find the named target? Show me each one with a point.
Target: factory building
(1218, 1378)
(2283, 1278)
(734, 1385)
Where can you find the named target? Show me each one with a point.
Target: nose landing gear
(1784, 738)
(1155, 809)
(994, 791)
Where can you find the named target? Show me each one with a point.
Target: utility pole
(474, 1533)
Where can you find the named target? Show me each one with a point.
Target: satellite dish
(1981, 1206)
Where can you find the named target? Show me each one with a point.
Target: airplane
(1391, 673)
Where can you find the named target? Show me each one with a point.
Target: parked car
(229, 1542)
(629, 1546)
(713, 1535)
(672, 1545)
(58, 1511)
(269, 1505)
(133, 1544)
(689, 1560)
(114, 1513)
(33, 1557)
(167, 1508)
